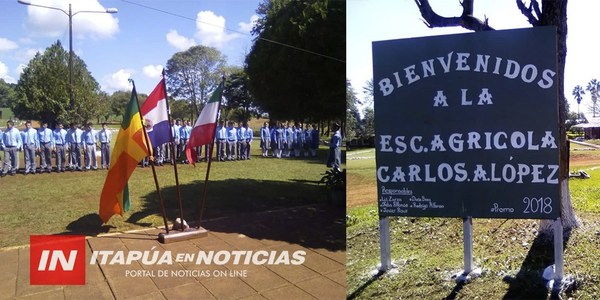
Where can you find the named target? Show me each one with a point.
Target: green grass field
(428, 251)
(68, 202)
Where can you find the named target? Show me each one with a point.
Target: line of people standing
(283, 140)
(231, 143)
(60, 143)
(234, 141)
(67, 146)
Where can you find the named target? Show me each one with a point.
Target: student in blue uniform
(241, 142)
(274, 139)
(265, 139)
(307, 139)
(104, 136)
(298, 139)
(284, 147)
(89, 138)
(12, 144)
(335, 153)
(59, 136)
(31, 145)
(289, 135)
(249, 135)
(221, 141)
(231, 141)
(184, 135)
(177, 137)
(171, 147)
(75, 146)
(280, 140)
(314, 140)
(46, 147)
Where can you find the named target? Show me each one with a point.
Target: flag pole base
(177, 236)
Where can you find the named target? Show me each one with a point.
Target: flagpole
(162, 205)
(210, 153)
(172, 148)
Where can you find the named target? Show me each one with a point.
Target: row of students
(284, 140)
(233, 143)
(60, 143)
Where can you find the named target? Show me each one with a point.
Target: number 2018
(537, 205)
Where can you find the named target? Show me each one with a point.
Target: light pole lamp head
(26, 2)
(110, 10)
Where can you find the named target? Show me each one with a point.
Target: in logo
(57, 260)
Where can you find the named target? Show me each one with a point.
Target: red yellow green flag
(130, 148)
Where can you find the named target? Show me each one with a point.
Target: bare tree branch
(466, 20)
(528, 12)
(536, 7)
(467, 7)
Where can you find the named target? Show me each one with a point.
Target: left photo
(173, 149)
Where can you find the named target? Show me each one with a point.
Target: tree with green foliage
(180, 109)
(7, 93)
(104, 107)
(574, 119)
(43, 88)
(368, 122)
(352, 115)
(578, 92)
(118, 102)
(594, 88)
(368, 91)
(194, 74)
(297, 63)
(238, 96)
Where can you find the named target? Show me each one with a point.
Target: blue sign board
(467, 125)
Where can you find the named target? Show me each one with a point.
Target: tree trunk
(555, 13)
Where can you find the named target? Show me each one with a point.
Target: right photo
(473, 162)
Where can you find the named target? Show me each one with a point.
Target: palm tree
(593, 87)
(578, 92)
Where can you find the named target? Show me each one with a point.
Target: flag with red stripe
(204, 129)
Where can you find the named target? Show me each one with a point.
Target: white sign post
(468, 244)
(385, 244)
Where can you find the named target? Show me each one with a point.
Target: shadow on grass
(459, 286)
(529, 283)
(264, 209)
(361, 288)
(90, 225)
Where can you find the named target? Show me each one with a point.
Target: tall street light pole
(70, 14)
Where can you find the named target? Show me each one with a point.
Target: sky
(134, 43)
(377, 20)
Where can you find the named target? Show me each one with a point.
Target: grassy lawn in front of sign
(68, 202)
(429, 251)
